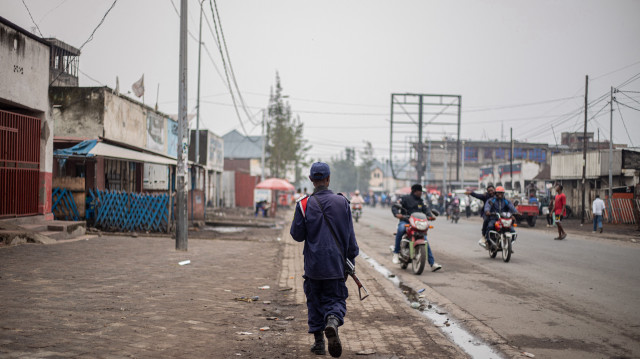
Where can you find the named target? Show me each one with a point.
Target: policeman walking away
(323, 222)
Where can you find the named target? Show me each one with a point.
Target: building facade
(26, 126)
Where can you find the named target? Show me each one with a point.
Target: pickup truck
(528, 212)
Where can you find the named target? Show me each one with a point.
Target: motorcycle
(500, 237)
(356, 211)
(413, 248)
(455, 213)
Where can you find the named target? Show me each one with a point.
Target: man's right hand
(399, 216)
(467, 192)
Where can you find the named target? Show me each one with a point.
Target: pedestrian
(549, 212)
(323, 222)
(598, 210)
(559, 206)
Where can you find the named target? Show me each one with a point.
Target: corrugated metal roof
(237, 145)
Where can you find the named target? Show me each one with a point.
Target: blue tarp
(81, 149)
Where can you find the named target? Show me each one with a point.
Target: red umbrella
(277, 184)
(403, 190)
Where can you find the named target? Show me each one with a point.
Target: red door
(19, 164)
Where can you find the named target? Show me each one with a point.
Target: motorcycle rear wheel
(506, 248)
(420, 259)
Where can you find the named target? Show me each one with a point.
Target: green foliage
(286, 147)
(346, 176)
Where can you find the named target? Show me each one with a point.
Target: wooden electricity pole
(584, 145)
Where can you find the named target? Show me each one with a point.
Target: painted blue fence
(122, 211)
(64, 205)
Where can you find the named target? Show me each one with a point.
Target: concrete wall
(78, 112)
(24, 86)
(24, 70)
(124, 121)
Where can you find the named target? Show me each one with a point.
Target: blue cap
(319, 171)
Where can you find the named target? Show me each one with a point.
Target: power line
(614, 71)
(32, 20)
(520, 105)
(625, 105)
(226, 50)
(99, 24)
(91, 78)
(631, 98)
(88, 39)
(624, 124)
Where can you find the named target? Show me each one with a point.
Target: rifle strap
(333, 234)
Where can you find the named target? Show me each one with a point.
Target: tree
(344, 173)
(286, 147)
(364, 169)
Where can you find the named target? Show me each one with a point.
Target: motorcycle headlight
(421, 226)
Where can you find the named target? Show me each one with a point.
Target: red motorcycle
(413, 245)
(500, 237)
(356, 211)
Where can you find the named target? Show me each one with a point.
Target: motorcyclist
(498, 204)
(357, 198)
(484, 198)
(406, 205)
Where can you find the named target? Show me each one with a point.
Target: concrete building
(211, 157)
(566, 169)
(26, 127)
(474, 156)
(137, 146)
(242, 168)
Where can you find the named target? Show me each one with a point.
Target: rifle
(351, 271)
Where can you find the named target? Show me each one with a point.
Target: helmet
(357, 191)
(499, 189)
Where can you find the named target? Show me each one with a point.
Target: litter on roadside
(264, 329)
(272, 318)
(366, 352)
(264, 287)
(266, 302)
(527, 354)
(420, 290)
(244, 333)
(285, 289)
(289, 318)
(246, 299)
(184, 262)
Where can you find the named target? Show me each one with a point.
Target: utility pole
(462, 180)
(610, 153)
(584, 144)
(197, 149)
(183, 128)
(264, 145)
(420, 167)
(429, 162)
(458, 143)
(511, 158)
(444, 172)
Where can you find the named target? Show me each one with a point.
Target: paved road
(576, 298)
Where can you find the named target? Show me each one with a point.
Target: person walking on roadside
(560, 211)
(598, 210)
(323, 222)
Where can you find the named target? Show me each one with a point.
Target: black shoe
(318, 346)
(331, 331)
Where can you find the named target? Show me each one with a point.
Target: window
(519, 153)
(500, 153)
(488, 153)
(471, 154)
(538, 155)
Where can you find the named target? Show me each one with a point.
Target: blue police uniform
(324, 268)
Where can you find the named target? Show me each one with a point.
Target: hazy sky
(520, 64)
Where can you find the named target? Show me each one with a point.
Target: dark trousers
(485, 223)
(324, 298)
